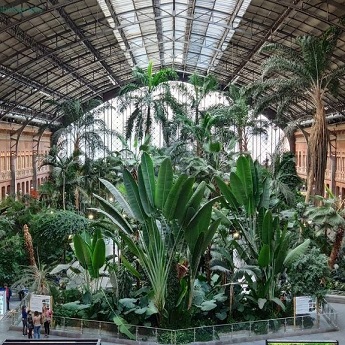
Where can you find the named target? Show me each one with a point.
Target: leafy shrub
(187, 336)
(305, 321)
(260, 327)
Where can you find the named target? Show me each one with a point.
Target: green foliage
(150, 99)
(168, 212)
(90, 252)
(308, 274)
(56, 226)
(99, 307)
(285, 181)
(265, 246)
(12, 254)
(188, 336)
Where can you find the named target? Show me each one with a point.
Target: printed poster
(37, 302)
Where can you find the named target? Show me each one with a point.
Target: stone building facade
(335, 171)
(22, 149)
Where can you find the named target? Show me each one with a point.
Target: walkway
(6, 333)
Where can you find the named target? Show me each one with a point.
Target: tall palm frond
(304, 73)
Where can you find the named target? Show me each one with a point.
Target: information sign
(305, 305)
(2, 303)
(37, 302)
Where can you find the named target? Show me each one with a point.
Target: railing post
(194, 334)
(136, 333)
(81, 326)
(213, 333)
(99, 328)
(64, 323)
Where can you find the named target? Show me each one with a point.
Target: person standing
(24, 320)
(37, 324)
(47, 319)
(30, 324)
(8, 296)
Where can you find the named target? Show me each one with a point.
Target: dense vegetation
(196, 232)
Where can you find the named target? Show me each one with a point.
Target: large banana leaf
(118, 197)
(133, 196)
(112, 213)
(82, 251)
(173, 196)
(164, 183)
(296, 252)
(227, 193)
(244, 172)
(184, 197)
(148, 177)
(144, 198)
(98, 256)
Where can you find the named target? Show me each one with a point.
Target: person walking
(8, 293)
(37, 324)
(47, 319)
(30, 324)
(24, 320)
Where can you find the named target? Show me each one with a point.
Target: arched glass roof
(61, 49)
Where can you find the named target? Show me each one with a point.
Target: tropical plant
(90, 252)
(308, 73)
(56, 226)
(329, 223)
(81, 125)
(238, 115)
(166, 212)
(65, 174)
(12, 254)
(196, 91)
(150, 96)
(308, 274)
(265, 244)
(284, 179)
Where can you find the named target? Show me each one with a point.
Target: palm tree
(81, 125)
(201, 86)
(65, 173)
(304, 73)
(150, 98)
(239, 115)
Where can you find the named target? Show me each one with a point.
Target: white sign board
(2, 303)
(305, 305)
(37, 302)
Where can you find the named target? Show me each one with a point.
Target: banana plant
(265, 241)
(90, 252)
(169, 212)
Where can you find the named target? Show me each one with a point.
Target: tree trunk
(292, 141)
(336, 247)
(148, 122)
(240, 139)
(198, 143)
(317, 151)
